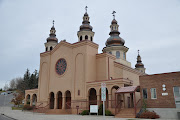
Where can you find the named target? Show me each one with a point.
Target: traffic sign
(103, 91)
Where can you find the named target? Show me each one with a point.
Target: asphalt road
(2, 117)
(5, 100)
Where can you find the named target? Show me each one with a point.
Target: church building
(71, 74)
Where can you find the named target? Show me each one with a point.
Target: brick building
(161, 93)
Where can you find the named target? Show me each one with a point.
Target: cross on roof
(138, 52)
(53, 22)
(86, 8)
(114, 14)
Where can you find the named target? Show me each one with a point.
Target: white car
(3, 93)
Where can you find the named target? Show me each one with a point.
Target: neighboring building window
(78, 92)
(117, 54)
(144, 92)
(86, 37)
(110, 52)
(46, 48)
(81, 38)
(153, 93)
(177, 94)
(51, 48)
(124, 55)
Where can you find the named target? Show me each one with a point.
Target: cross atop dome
(113, 14)
(53, 23)
(86, 9)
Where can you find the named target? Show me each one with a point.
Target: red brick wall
(156, 81)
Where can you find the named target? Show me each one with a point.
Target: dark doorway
(59, 100)
(68, 99)
(92, 97)
(51, 100)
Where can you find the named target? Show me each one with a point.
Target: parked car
(3, 93)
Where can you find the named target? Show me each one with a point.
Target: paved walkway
(19, 115)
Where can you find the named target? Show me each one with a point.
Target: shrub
(149, 115)
(100, 110)
(28, 107)
(108, 113)
(85, 112)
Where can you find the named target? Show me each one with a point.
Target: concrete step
(58, 111)
(126, 113)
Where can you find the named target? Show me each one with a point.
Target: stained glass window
(61, 66)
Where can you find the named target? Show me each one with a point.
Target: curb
(9, 117)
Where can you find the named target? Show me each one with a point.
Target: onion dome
(86, 24)
(52, 35)
(114, 38)
(139, 63)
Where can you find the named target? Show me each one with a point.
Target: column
(124, 100)
(110, 100)
(98, 100)
(31, 101)
(55, 101)
(63, 102)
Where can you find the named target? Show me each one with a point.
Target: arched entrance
(107, 98)
(28, 99)
(113, 90)
(34, 99)
(92, 97)
(59, 100)
(68, 99)
(51, 105)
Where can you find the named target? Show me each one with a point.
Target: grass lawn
(16, 108)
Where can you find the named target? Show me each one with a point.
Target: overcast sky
(152, 26)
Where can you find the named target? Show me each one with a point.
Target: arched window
(51, 48)
(117, 54)
(91, 38)
(46, 48)
(124, 55)
(115, 27)
(86, 37)
(110, 52)
(81, 38)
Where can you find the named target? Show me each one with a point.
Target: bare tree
(12, 84)
(6, 87)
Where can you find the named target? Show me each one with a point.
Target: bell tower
(139, 65)
(85, 32)
(52, 41)
(115, 44)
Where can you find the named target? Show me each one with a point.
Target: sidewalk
(19, 115)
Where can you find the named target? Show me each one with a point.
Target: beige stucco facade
(86, 69)
(76, 82)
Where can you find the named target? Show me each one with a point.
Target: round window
(61, 66)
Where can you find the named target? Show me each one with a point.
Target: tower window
(91, 38)
(51, 48)
(81, 38)
(86, 37)
(78, 92)
(115, 27)
(117, 54)
(46, 48)
(124, 55)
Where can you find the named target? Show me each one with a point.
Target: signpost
(103, 96)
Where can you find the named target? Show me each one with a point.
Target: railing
(37, 107)
(41, 109)
(138, 105)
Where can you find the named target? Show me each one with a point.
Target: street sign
(103, 96)
(103, 91)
